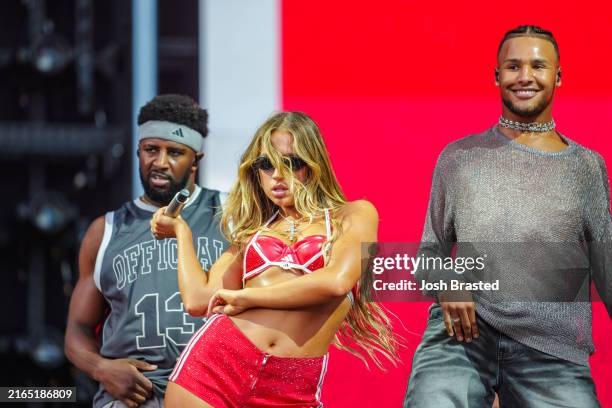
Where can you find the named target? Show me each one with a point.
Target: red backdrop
(391, 83)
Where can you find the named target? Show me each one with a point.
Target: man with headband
(128, 282)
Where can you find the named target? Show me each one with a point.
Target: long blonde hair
(366, 329)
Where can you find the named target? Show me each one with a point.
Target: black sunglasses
(293, 162)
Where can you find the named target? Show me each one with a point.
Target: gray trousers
(451, 374)
(153, 402)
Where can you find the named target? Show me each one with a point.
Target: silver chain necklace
(527, 127)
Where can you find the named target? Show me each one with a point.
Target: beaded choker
(527, 127)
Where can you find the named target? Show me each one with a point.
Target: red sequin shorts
(222, 367)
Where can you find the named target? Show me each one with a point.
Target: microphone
(178, 202)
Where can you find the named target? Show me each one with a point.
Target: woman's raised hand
(163, 226)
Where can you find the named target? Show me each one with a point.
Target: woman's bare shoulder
(359, 208)
(359, 217)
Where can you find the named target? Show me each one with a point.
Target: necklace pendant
(292, 230)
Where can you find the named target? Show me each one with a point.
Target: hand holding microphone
(165, 220)
(178, 202)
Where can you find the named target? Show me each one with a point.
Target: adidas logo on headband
(178, 132)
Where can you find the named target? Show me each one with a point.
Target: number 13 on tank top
(148, 309)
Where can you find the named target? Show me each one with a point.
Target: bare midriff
(303, 332)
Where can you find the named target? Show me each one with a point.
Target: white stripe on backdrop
(239, 79)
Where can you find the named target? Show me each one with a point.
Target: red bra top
(264, 251)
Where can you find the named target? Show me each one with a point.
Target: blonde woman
(286, 288)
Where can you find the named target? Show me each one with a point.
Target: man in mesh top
(529, 192)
